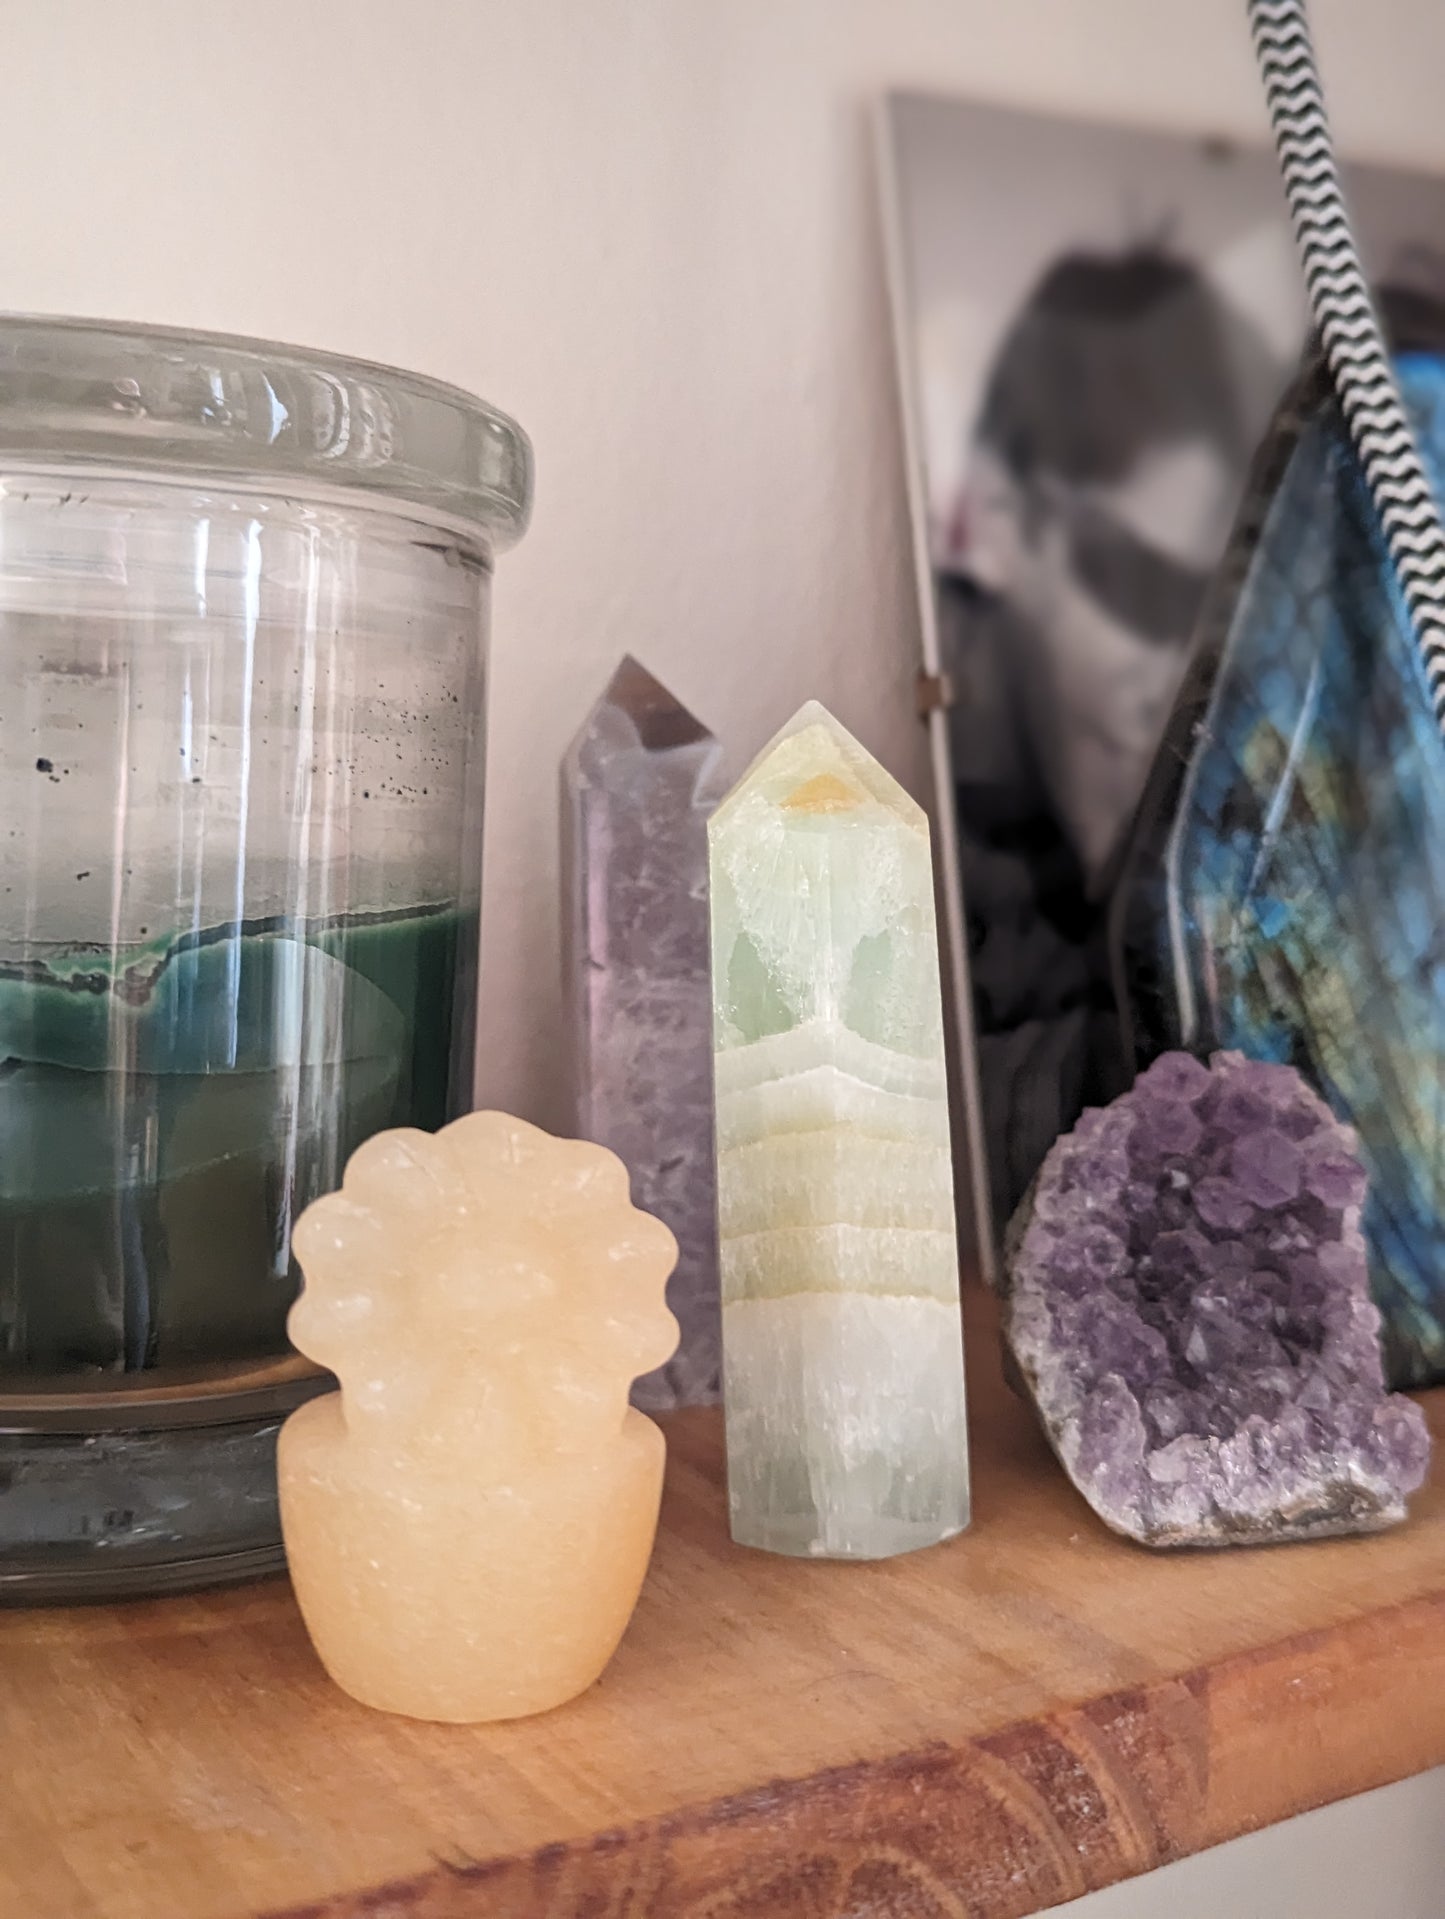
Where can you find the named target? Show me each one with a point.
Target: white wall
(1374, 1857)
(646, 228)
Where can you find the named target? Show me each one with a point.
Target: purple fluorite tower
(638, 784)
(1188, 1303)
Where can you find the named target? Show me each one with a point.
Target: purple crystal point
(1265, 1168)
(1195, 1324)
(638, 784)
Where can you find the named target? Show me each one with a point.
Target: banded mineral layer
(842, 1338)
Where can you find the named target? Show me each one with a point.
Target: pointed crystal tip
(661, 720)
(824, 793)
(814, 765)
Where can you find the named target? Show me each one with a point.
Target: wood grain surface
(983, 1729)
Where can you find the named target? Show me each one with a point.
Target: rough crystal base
(845, 1424)
(1186, 1299)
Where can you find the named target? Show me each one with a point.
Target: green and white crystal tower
(842, 1337)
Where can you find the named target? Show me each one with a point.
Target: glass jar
(243, 607)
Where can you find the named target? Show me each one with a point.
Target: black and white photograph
(1095, 326)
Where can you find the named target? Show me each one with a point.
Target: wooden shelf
(1004, 1722)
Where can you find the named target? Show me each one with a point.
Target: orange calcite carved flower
(469, 1519)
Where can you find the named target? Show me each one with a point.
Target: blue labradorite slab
(1285, 893)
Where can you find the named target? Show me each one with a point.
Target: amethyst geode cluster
(1188, 1302)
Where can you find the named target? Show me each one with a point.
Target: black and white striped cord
(1354, 343)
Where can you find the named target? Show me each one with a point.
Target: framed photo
(1094, 325)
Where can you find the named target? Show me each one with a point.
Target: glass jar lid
(98, 394)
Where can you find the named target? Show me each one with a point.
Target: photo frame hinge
(933, 691)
